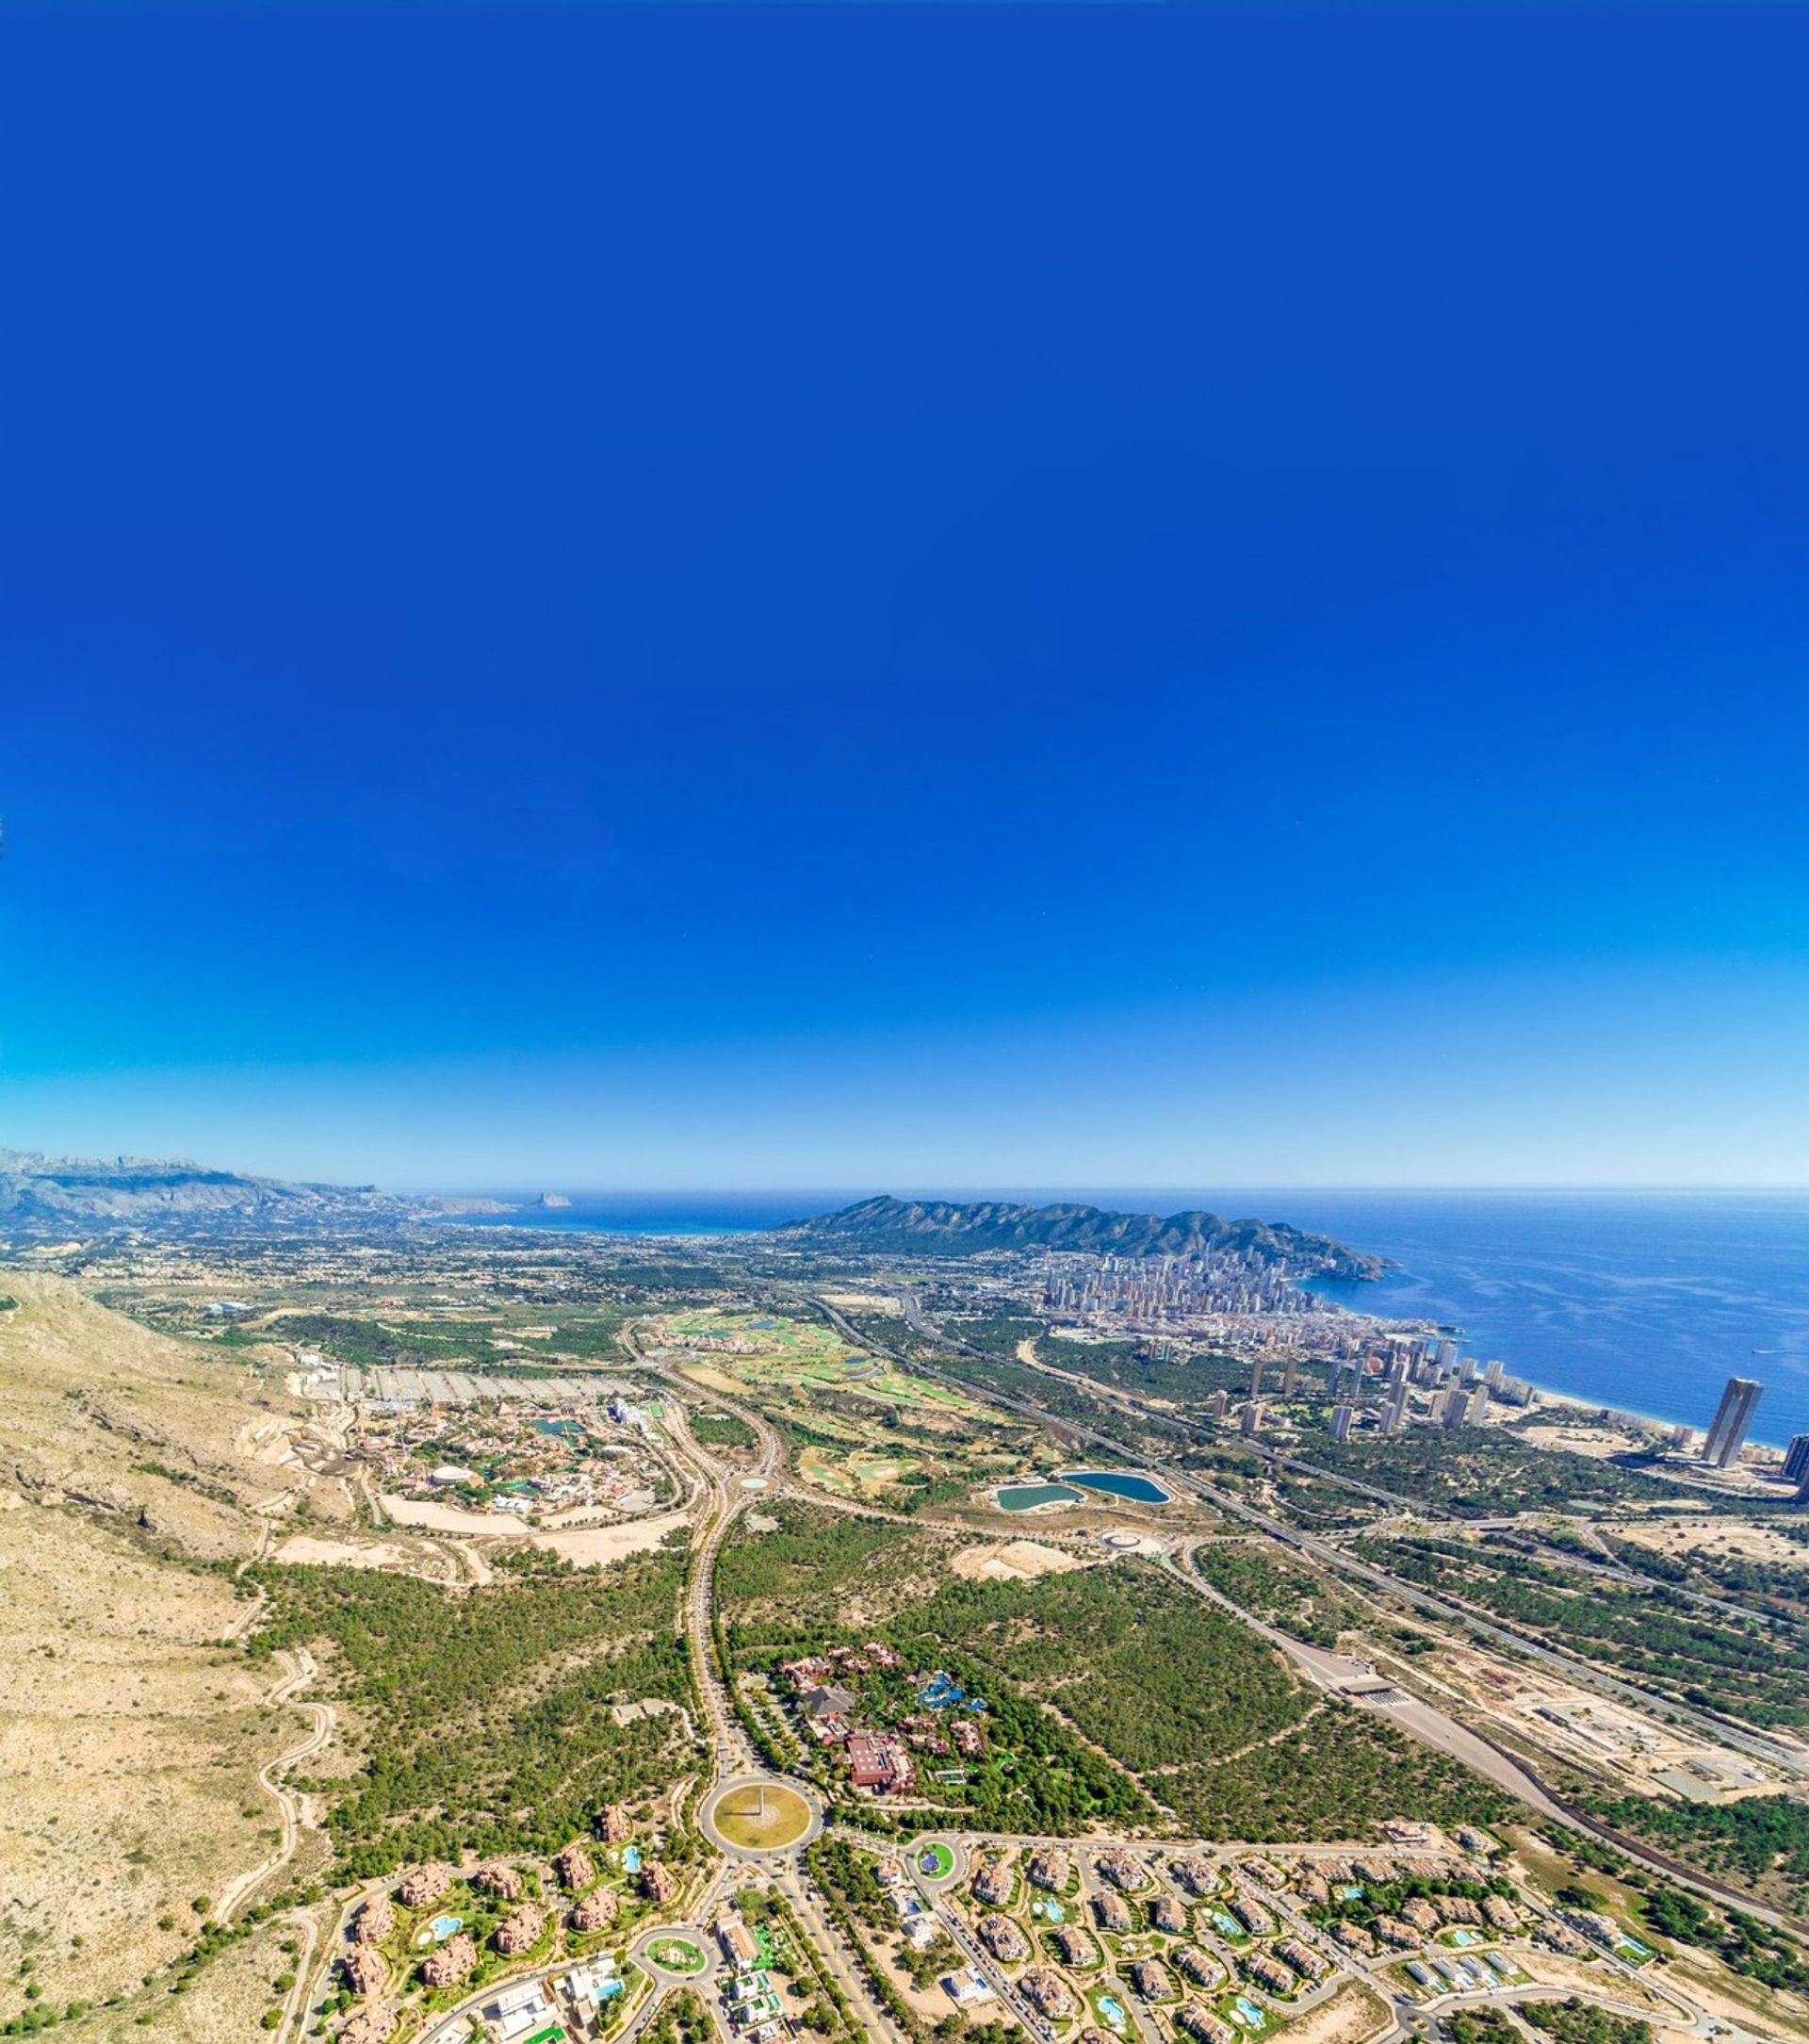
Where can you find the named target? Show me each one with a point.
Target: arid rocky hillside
(131, 1735)
(42, 1195)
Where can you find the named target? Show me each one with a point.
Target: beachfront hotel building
(1733, 1417)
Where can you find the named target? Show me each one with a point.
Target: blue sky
(939, 596)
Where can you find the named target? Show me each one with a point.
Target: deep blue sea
(1646, 1301)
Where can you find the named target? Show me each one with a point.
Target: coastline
(1544, 1394)
(1583, 1296)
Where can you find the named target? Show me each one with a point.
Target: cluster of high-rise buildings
(1458, 1389)
(1432, 1363)
(1149, 1291)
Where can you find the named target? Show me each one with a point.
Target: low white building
(519, 2011)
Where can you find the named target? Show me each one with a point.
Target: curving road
(299, 1670)
(717, 1488)
(1789, 1759)
(1423, 1722)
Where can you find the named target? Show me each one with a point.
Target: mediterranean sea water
(1645, 1300)
(1648, 1301)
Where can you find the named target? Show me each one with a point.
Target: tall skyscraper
(1217, 1403)
(1252, 1417)
(1396, 1410)
(1733, 1417)
(1342, 1416)
(1256, 1377)
(1290, 1376)
(1447, 1355)
(1796, 1461)
(1465, 1405)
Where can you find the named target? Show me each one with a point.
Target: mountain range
(39, 1194)
(887, 1226)
(43, 1195)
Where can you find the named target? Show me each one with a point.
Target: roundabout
(756, 1813)
(938, 1860)
(674, 1954)
(677, 1955)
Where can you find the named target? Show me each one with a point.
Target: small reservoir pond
(1022, 1496)
(1118, 1484)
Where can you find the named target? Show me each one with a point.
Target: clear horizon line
(532, 1189)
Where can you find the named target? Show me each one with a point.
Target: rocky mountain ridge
(40, 1195)
(889, 1226)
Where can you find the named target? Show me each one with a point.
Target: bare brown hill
(102, 1414)
(130, 1735)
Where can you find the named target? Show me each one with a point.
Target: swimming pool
(443, 1927)
(1118, 1484)
(1248, 2013)
(1112, 2012)
(630, 1859)
(1022, 1496)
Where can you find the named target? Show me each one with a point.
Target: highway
(720, 1497)
(732, 1754)
(1423, 1722)
(1788, 1759)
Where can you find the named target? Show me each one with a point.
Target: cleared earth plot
(1014, 1560)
